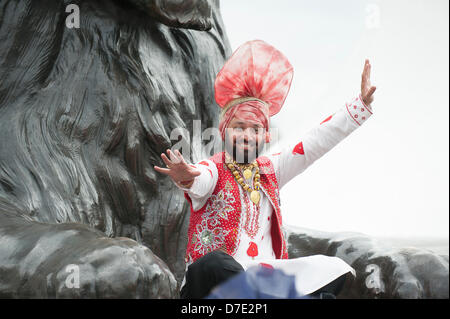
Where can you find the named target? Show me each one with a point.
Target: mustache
(236, 141)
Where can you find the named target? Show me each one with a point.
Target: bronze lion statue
(85, 113)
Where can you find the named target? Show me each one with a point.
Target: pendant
(252, 250)
(247, 173)
(254, 196)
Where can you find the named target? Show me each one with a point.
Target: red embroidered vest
(216, 224)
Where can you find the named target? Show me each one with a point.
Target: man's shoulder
(264, 160)
(266, 164)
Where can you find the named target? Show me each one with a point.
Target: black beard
(245, 157)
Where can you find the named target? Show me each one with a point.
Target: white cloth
(311, 272)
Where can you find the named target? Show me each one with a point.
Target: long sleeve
(321, 139)
(203, 185)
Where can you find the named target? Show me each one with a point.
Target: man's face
(244, 140)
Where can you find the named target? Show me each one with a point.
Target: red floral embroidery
(298, 149)
(252, 250)
(212, 226)
(204, 163)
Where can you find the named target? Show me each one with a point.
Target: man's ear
(188, 14)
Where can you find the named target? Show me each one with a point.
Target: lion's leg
(74, 261)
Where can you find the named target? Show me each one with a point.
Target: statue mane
(85, 113)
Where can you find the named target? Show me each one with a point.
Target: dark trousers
(331, 290)
(217, 267)
(207, 272)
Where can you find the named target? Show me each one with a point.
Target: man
(236, 220)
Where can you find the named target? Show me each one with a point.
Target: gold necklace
(254, 192)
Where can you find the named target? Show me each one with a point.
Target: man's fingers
(162, 170)
(173, 157)
(371, 91)
(366, 71)
(166, 160)
(196, 173)
(367, 90)
(177, 152)
(366, 87)
(368, 98)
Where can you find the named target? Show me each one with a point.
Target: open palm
(177, 168)
(367, 89)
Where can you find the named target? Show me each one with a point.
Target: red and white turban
(253, 84)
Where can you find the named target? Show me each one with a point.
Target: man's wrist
(358, 111)
(367, 106)
(186, 184)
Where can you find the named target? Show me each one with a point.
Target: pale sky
(391, 176)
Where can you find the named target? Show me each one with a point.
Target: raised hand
(181, 172)
(367, 89)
